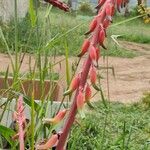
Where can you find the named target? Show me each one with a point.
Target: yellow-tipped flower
(57, 119)
(73, 86)
(49, 144)
(88, 93)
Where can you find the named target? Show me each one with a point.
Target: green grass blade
(32, 121)
(67, 64)
(2, 37)
(7, 133)
(32, 13)
(127, 20)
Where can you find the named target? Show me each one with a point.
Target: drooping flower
(58, 4)
(97, 54)
(49, 144)
(85, 47)
(88, 93)
(109, 12)
(93, 54)
(92, 26)
(80, 104)
(58, 118)
(73, 86)
(102, 35)
(93, 75)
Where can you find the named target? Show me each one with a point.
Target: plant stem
(16, 40)
(32, 121)
(73, 109)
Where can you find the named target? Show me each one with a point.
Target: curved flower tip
(109, 12)
(57, 119)
(102, 37)
(100, 3)
(88, 93)
(92, 26)
(59, 4)
(73, 86)
(93, 75)
(93, 54)
(84, 48)
(49, 144)
(80, 104)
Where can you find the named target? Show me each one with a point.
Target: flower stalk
(97, 32)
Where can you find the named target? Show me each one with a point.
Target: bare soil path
(132, 76)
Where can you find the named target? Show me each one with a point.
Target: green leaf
(7, 133)
(29, 103)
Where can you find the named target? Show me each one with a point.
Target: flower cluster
(92, 45)
(20, 118)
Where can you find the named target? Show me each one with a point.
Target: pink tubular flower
(85, 47)
(97, 54)
(109, 12)
(58, 118)
(49, 144)
(93, 75)
(93, 25)
(93, 54)
(88, 93)
(80, 104)
(119, 4)
(80, 101)
(74, 85)
(59, 4)
(102, 36)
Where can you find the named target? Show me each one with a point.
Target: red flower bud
(106, 23)
(109, 12)
(73, 86)
(58, 118)
(93, 54)
(49, 144)
(85, 47)
(93, 25)
(93, 75)
(97, 54)
(58, 4)
(119, 4)
(88, 93)
(101, 37)
(80, 101)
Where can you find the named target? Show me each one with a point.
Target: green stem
(32, 122)
(16, 41)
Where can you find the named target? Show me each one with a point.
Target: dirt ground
(132, 75)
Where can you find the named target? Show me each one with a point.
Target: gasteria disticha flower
(85, 47)
(88, 93)
(59, 4)
(57, 119)
(97, 31)
(49, 144)
(92, 26)
(74, 85)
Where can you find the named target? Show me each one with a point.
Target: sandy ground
(132, 76)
